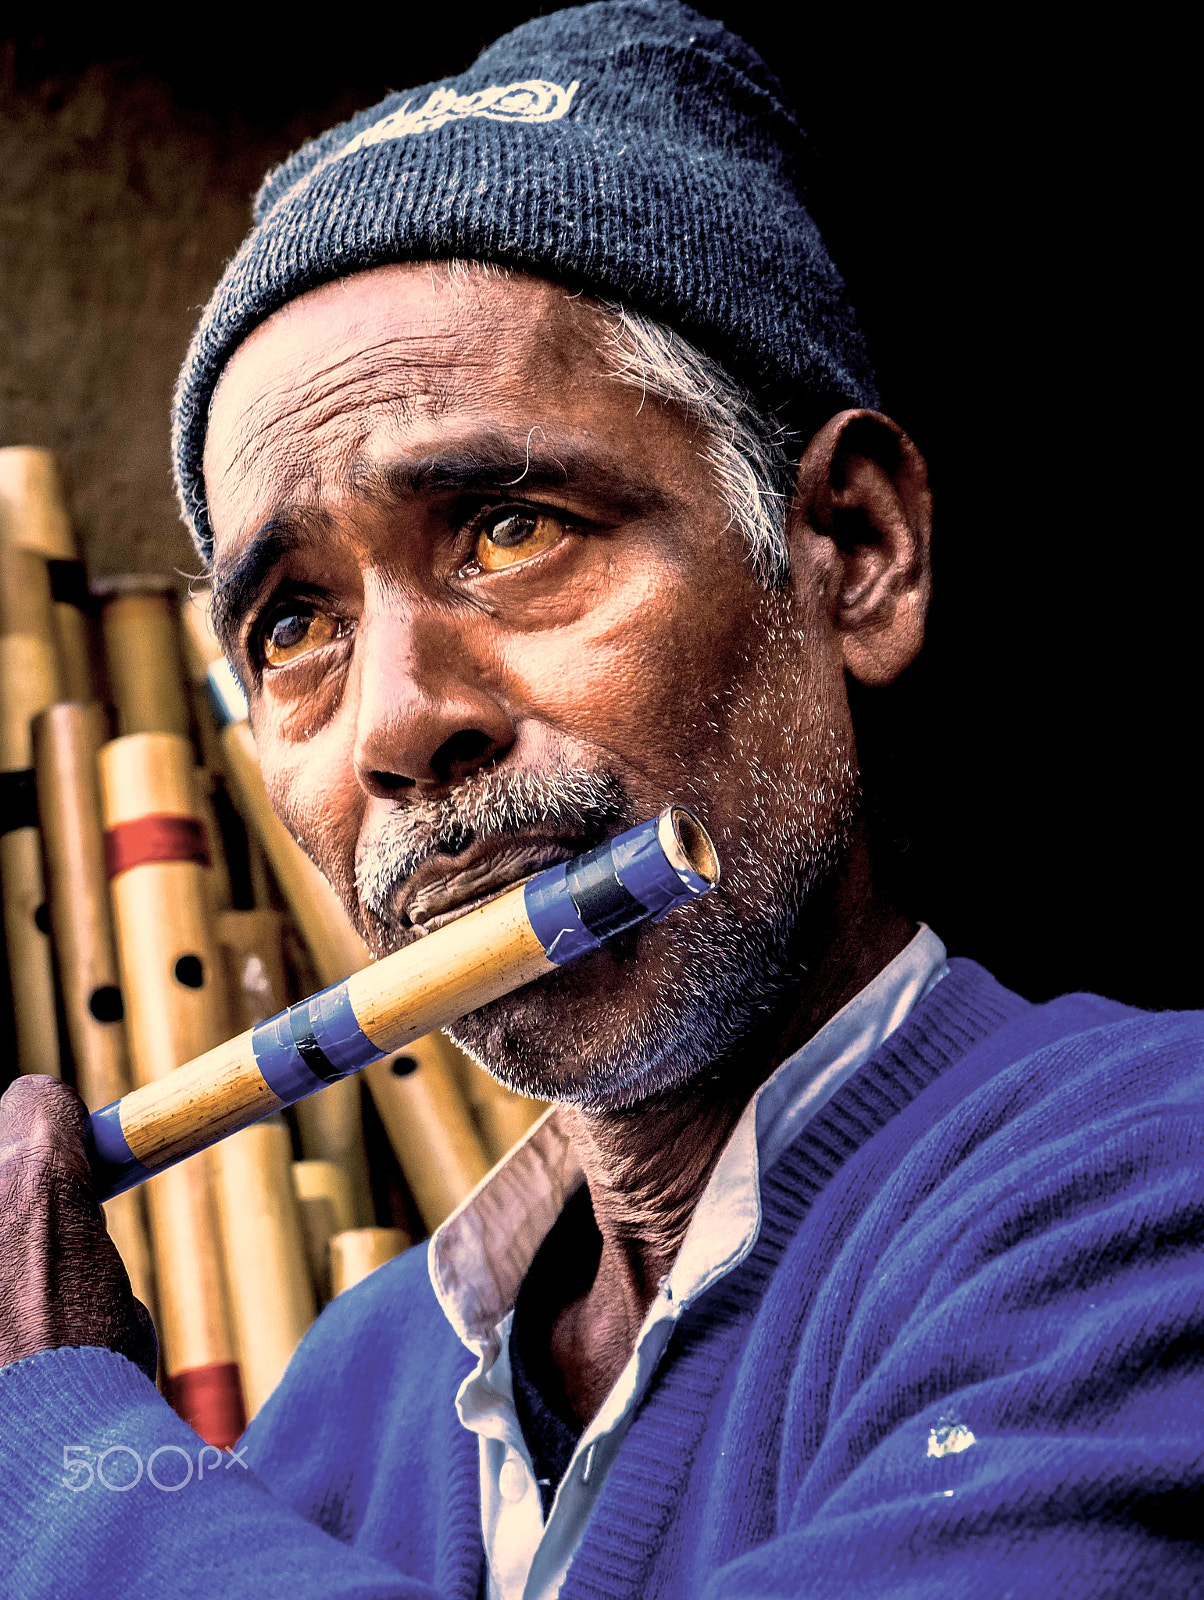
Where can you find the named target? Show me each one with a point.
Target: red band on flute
(210, 1400)
(155, 838)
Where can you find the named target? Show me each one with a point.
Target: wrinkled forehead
(395, 355)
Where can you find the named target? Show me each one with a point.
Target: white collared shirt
(480, 1255)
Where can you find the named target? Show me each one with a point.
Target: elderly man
(534, 448)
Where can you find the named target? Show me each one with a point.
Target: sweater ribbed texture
(962, 1358)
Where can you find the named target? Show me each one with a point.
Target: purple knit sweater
(965, 1358)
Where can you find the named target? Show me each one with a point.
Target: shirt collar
(478, 1258)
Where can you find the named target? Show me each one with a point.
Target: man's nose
(426, 715)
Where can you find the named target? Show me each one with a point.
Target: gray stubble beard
(731, 961)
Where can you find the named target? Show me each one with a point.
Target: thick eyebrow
(235, 584)
(492, 463)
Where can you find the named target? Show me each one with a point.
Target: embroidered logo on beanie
(532, 100)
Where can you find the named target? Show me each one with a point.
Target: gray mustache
(493, 805)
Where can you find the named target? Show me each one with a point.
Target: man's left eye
(513, 536)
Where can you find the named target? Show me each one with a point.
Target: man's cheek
(314, 791)
(632, 690)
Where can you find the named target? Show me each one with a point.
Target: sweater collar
(480, 1255)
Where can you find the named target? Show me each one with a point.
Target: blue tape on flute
(555, 917)
(642, 874)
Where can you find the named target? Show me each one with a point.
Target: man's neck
(647, 1166)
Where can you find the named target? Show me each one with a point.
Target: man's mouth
(442, 890)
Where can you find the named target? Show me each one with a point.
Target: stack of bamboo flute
(154, 905)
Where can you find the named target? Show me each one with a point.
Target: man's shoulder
(979, 1075)
(990, 1317)
(1021, 1113)
(1090, 1037)
(1077, 1114)
(1078, 1036)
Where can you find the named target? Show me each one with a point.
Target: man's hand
(61, 1279)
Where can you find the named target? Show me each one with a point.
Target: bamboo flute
(264, 1240)
(29, 682)
(558, 915)
(139, 623)
(327, 1207)
(67, 739)
(429, 1126)
(33, 517)
(173, 981)
(355, 1254)
(272, 1299)
(502, 1116)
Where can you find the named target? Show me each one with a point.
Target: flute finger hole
(402, 1066)
(190, 971)
(105, 1003)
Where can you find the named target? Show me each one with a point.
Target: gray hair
(746, 446)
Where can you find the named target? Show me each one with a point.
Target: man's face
(489, 607)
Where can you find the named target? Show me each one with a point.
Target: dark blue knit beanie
(631, 149)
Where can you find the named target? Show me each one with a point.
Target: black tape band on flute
(602, 902)
(308, 1048)
(18, 800)
(69, 584)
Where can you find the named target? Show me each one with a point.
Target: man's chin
(547, 1040)
(611, 1031)
(569, 1035)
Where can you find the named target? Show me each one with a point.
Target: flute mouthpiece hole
(696, 846)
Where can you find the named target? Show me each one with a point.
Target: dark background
(1002, 193)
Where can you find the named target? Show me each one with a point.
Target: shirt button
(512, 1479)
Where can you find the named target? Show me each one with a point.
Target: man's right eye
(296, 632)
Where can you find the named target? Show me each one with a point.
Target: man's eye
(295, 633)
(515, 536)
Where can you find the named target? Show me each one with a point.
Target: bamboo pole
(327, 1207)
(176, 1005)
(271, 1294)
(356, 1254)
(67, 739)
(34, 517)
(28, 684)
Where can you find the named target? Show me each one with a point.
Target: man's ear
(862, 516)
